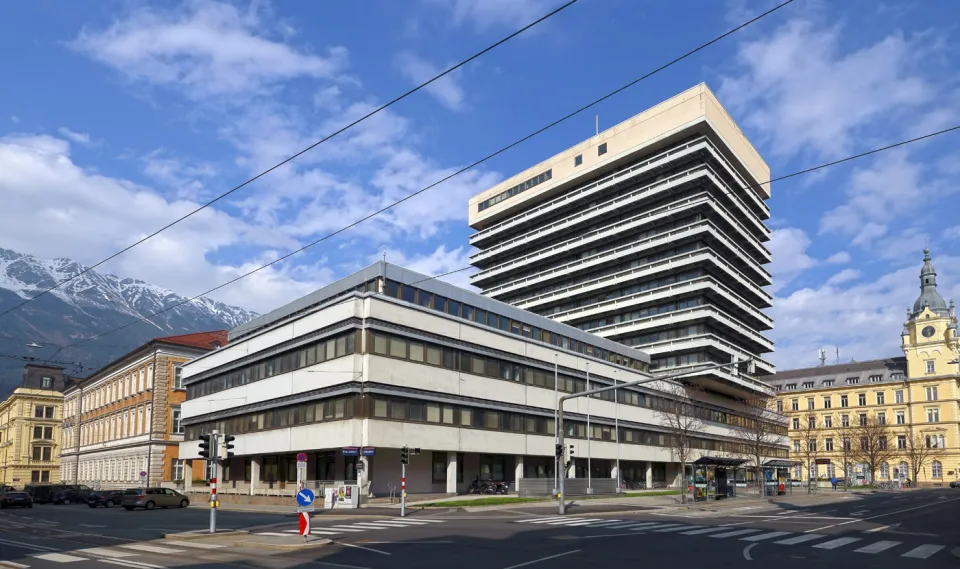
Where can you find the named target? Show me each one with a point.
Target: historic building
(387, 357)
(651, 233)
(910, 405)
(125, 418)
(30, 427)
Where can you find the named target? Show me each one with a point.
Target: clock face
(928, 331)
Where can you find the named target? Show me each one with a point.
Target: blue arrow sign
(305, 497)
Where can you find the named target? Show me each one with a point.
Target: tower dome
(929, 297)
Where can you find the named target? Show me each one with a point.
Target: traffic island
(284, 543)
(203, 534)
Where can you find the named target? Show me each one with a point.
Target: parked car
(6, 488)
(15, 500)
(955, 484)
(105, 498)
(43, 493)
(72, 494)
(150, 498)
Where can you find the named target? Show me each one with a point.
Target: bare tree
(846, 435)
(871, 444)
(810, 445)
(919, 451)
(757, 433)
(683, 427)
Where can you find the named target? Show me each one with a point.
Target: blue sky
(117, 117)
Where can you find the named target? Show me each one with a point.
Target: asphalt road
(894, 530)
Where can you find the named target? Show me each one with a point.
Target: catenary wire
(747, 187)
(438, 182)
(300, 153)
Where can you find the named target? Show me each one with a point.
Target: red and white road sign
(304, 523)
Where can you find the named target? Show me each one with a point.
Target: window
(881, 418)
(810, 405)
(901, 442)
(931, 366)
(828, 445)
(828, 382)
(827, 402)
(901, 420)
(439, 467)
(844, 420)
(932, 393)
(812, 445)
(828, 421)
(876, 378)
(934, 441)
(884, 470)
(846, 444)
(40, 476)
(933, 415)
(578, 160)
(808, 385)
(861, 399)
(812, 422)
(177, 421)
(844, 402)
(882, 443)
(795, 404)
(796, 423)
(177, 376)
(45, 433)
(602, 149)
(46, 382)
(42, 453)
(880, 398)
(864, 443)
(853, 380)
(791, 387)
(43, 412)
(863, 419)
(796, 446)
(779, 406)
(176, 469)
(898, 396)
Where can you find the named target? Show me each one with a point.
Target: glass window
(416, 351)
(433, 355)
(379, 344)
(433, 412)
(379, 408)
(398, 347)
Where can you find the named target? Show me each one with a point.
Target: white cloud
(77, 137)
(442, 260)
(844, 276)
(206, 49)
(185, 179)
(839, 258)
(788, 247)
(801, 92)
(484, 14)
(446, 90)
(952, 232)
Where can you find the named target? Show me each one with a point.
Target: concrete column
(649, 475)
(255, 465)
(518, 473)
(187, 476)
(451, 473)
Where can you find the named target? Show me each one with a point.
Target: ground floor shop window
(538, 467)
(350, 467)
(326, 465)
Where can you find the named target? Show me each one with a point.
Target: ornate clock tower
(929, 336)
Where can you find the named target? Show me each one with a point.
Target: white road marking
(13, 565)
(134, 564)
(199, 545)
(364, 526)
(404, 523)
(430, 521)
(713, 529)
(542, 559)
(876, 529)
(273, 533)
(800, 539)
(563, 522)
(149, 548)
(878, 547)
(630, 525)
(659, 526)
(746, 551)
(59, 557)
(535, 520)
(835, 543)
(364, 548)
(884, 515)
(734, 533)
(680, 528)
(764, 536)
(23, 545)
(923, 552)
(606, 523)
(104, 552)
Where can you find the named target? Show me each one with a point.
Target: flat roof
(435, 286)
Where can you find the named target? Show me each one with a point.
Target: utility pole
(210, 452)
(404, 458)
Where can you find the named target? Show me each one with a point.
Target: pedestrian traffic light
(571, 452)
(404, 455)
(228, 446)
(559, 450)
(205, 446)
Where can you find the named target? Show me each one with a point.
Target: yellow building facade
(30, 421)
(901, 413)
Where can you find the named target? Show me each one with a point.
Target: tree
(683, 427)
(811, 444)
(846, 435)
(871, 444)
(919, 451)
(757, 433)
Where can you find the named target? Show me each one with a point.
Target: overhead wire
(449, 176)
(301, 153)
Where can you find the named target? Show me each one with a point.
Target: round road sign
(305, 497)
(302, 457)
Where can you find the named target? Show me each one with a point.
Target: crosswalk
(814, 540)
(124, 554)
(356, 527)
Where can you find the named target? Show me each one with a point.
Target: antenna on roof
(838, 355)
(823, 357)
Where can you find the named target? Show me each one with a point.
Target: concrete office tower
(650, 233)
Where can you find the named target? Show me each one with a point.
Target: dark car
(72, 494)
(955, 484)
(43, 493)
(150, 498)
(15, 500)
(105, 498)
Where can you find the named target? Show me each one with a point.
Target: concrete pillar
(363, 476)
(255, 465)
(518, 473)
(451, 473)
(649, 475)
(187, 476)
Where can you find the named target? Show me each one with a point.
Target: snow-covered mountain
(90, 304)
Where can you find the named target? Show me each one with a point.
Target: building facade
(651, 233)
(125, 419)
(30, 427)
(835, 411)
(387, 357)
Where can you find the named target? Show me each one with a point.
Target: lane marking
(878, 547)
(764, 536)
(800, 539)
(363, 548)
(274, 533)
(91, 526)
(734, 533)
(876, 529)
(431, 520)
(59, 557)
(346, 528)
(149, 548)
(364, 526)
(23, 545)
(835, 543)
(542, 559)
(746, 551)
(707, 530)
(13, 565)
(681, 528)
(134, 564)
(884, 515)
(659, 526)
(923, 552)
(403, 542)
(103, 552)
(199, 545)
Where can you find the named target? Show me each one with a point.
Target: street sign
(369, 451)
(304, 524)
(302, 457)
(143, 474)
(305, 497)
(306, 509)
(350, 451)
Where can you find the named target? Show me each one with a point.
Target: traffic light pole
(215, 455)
(403, 489)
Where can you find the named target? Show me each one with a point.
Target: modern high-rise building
(650, 233)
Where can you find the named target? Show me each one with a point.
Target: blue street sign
(305, 497)
(369, 451)
(350, 451)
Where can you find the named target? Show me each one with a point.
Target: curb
(189, 536)
(286, 546)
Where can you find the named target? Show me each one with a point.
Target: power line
(301, 153)
(445, 178)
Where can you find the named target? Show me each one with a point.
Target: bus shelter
(713, 478)
(776, 477)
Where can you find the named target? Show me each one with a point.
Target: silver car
(150, 498)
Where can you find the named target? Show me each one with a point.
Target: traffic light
(570, 460)
(227, 446)
(559, 450)
(416, 450)
(205, 446)
(404, 455)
